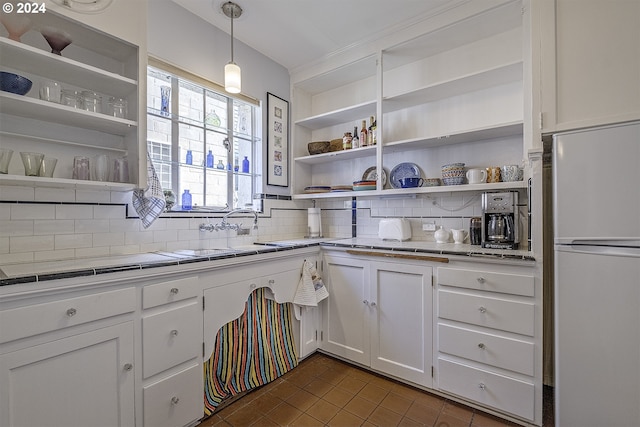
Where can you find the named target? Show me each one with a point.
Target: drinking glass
(31, 162)
(100, 168)
(50, 91)
(5, 159)
(120, 170)
(47, 167)
(81, 168)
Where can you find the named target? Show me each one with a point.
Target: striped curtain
(250, 351)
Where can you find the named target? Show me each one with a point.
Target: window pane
(155, 80)
(216, 110)
(191, 102)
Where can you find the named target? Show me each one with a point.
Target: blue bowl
(14, 83)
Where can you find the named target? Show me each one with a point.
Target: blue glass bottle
(210, 159)
(186, 201)
(189, 159)
(245, 165)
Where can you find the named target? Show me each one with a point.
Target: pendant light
(232, 76)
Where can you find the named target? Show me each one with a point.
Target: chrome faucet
(224, 225)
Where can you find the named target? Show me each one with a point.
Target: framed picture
(277, 141)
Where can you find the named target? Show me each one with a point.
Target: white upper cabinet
(107, 56)
(457, 81)
(590, 62)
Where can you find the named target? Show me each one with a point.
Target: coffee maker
(500, 220)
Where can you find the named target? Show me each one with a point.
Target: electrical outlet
(429, 226)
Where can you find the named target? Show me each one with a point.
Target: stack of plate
(317, 189)
(338, 188)
(364, 185)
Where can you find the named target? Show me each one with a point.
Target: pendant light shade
(232, 73)
(232, 78)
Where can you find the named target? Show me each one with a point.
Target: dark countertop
(11, 274)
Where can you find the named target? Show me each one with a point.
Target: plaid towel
(149, 203)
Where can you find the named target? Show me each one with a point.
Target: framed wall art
(277, 141)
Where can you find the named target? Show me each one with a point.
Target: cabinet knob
(481, 346)
(175, 291)
(271, 281)
(128, 366)
(365, 302)
(373, 304)
(175, 400)
(174, 333)
(71, 312)
(482, 309)
(252, 286)
(481, 386)
(480, 279)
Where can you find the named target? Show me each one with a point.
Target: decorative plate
(371, 174)
(403, 170)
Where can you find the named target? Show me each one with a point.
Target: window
(201, 140)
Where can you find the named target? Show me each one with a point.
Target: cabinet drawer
(170, 338)
(494, 350)
(175, 401)
(515, 284)
(506, 315)
(171, 291)
(39, 318)
(487, 388)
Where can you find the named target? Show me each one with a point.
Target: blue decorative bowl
(14, 83)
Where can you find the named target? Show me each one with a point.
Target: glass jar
(346, 141)
(117, 107)
(91, 101)
(70, 98)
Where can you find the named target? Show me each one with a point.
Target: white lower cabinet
(379, 314)
(488, 344)
(82, 380)
(171, 352)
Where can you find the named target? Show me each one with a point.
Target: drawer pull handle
(175, 291)
(482, 309)
(252, 286)
(481, 346)
(175, 400)
(271, 281)
(481, 386)
(128, 366)
(480, 279)
(71, 312)
(174, 333)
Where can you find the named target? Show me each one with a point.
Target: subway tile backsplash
(95, 223)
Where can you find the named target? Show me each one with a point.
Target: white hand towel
(149, 203)
(311, 289)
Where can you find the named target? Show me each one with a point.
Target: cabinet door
(590, 62)
(401, 312)
(345, 316)
(83, 380)
(309, 325)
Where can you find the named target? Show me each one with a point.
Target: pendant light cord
(233, 12)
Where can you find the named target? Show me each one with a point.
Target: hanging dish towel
(311, 289)
(149, 203)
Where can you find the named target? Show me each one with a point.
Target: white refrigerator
(596, 184)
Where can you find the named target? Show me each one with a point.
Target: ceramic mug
(459, 236)
(476, 176)
(411, 182)
(493, 174)
(510, 173)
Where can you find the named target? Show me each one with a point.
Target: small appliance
(394, 229)
(500, 220)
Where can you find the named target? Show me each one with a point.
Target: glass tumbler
(91, 101)
(31, 162)
(100, 168)
(50, 90)
(81, 168)
(47, 167)
(70, 98)
(120, 170)
(117, 107)
(5, 159)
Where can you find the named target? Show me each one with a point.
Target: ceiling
(295, 33)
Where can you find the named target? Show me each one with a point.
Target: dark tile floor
(323, 391)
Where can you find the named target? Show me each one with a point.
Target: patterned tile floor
(323, 391)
